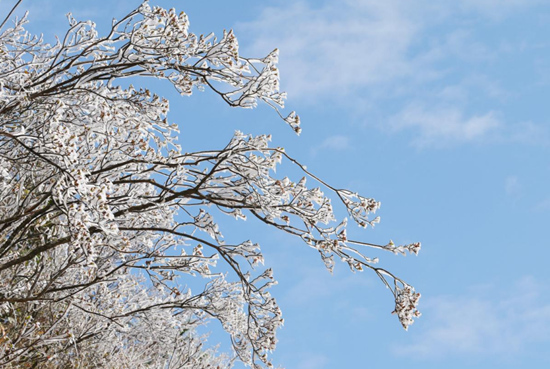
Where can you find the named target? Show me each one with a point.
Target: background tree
(103, 217)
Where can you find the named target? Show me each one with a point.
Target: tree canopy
(104, 217)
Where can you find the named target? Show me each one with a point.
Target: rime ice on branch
(103, 217)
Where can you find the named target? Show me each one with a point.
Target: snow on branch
(103, 216)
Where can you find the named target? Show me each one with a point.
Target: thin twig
(10, 13)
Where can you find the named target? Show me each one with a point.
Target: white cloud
(462, 43)
(443, 126)
(484, 325)
(332, 143)
(337, 47)
(367, 53)
(337, 142)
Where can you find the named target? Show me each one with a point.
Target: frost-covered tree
(104, 218)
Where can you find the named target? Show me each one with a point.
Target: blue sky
(438, 110)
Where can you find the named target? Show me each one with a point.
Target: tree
(103, 217)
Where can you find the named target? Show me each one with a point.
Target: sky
(436, 109)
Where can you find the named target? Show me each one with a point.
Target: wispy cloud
(336, 47)
(339, 46)
(332, 143)
(483, 324)
(444, 126)
(337, 142)
(366, 53)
